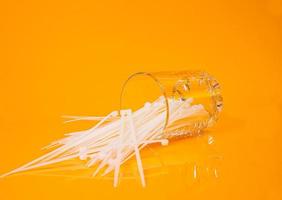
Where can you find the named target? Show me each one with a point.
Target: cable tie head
(114, 114)
(147, 105)
(164, 142)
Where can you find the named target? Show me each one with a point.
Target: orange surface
(62, 57)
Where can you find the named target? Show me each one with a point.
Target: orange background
(68, 57)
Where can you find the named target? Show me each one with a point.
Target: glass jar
(199, 86)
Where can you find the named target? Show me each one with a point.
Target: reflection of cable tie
(195, 171)
(215, 173)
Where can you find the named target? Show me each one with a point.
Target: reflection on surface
(193, 159)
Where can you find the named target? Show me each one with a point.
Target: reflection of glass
(203, 88)
(202, 162)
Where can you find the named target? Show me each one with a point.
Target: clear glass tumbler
(204, 89)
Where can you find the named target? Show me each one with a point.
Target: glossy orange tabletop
(71, 57)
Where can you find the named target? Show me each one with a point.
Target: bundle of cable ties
(117, 137)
